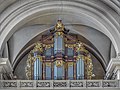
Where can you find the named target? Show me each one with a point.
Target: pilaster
(113, 69)
(5, 69)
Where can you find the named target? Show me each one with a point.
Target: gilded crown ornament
(59, 26)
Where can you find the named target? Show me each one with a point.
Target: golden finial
(59, 26)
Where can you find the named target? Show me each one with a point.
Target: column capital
(118, 55)
(113, 67)
(5, 66)
(4, 62)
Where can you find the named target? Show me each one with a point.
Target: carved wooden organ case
(59, 56)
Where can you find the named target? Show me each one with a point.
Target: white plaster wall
(20, 69)
(112, 52)
(21, 38)
(6, 52)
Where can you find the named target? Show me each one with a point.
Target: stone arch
(72, 8)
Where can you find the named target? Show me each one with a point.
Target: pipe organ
(59, 56)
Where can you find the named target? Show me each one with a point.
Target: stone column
(5, 69)
(1, 76)
(117, 72)
(113, 69)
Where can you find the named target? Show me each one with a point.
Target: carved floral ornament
(39, 48)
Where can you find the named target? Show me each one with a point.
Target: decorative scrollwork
(59, 63)
(28, 67)
(93, 84)
(48, 64)
(60, 84)
(87, 59)
(70, 64)
(10, 84)
(59, 34)
(82, 57)
(89, 67)
(47, 45)
(60, 57)
(39, 57)
(26, 84)
(109, 84)
(59, 26)
(43, 84)
(70, 45)
(31, 59)
(80, 47)
(76, 84)
(38, 47)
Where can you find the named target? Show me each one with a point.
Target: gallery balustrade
(56, 84)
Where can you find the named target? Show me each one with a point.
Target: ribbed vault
(100, 15)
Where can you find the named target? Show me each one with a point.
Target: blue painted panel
(37, 69)
(80, 69)
(70, 73)
(48, 52)
(48, 72)
(70, 52)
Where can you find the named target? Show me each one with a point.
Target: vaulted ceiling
(96, 21)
